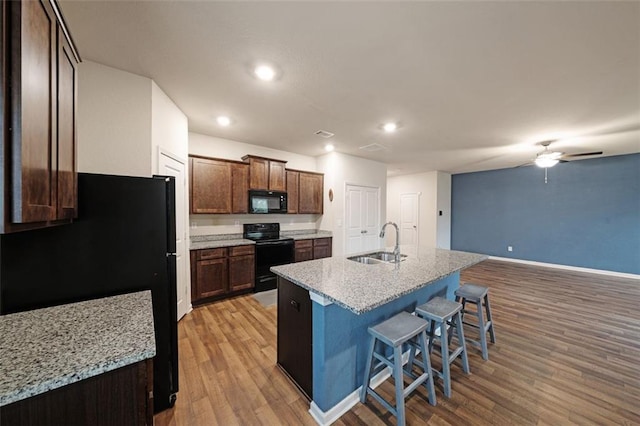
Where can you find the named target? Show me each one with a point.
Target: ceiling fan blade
(530, 163)
(583, 154)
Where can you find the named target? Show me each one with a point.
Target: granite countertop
(48, 348)
(200, 242)
(360, 287)
(215, 243)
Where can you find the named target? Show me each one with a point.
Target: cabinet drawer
(318, 242)
(212, 253)
(300, 244)
(241, 250)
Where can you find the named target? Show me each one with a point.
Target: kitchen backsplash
(226, 224)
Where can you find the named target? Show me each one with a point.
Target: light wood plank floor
(567, 352)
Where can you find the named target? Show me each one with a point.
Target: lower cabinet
(318, 248)
(119, 397)
(321, 248)
(303, 250)
(295, 354)
(219, 272)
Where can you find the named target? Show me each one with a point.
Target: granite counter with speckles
(201, 242)
(44, 349)
(362, 287)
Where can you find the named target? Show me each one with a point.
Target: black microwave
(267, 202)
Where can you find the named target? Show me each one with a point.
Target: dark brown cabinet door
(258, 173)
(38, 104)
(239, 188)
(33, 93)
(241, 272)
(277, 176)
(292, 191)
(311, 188)
(210, 186)
(211, 277)
(67, 89)
(241, 267)
(294, 333)
(321, 248)
(303, 250)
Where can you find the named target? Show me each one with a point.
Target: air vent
(324, 134)
(373, 147)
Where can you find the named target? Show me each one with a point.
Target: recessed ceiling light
(390, 127)
(265, 72)
(223, 121)
(329, 147)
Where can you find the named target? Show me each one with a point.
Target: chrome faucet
(396, 249)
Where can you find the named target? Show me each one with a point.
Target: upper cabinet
(38, 103)
(266, 173)
(239, 188)
(220, 186)
(310, 192)
(207, 197)
(293, 179)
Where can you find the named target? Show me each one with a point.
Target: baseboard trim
(569, 268)
(325, 418)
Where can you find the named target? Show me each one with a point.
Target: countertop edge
(383, 301)
(87, 373)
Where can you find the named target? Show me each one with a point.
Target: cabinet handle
(296, 305)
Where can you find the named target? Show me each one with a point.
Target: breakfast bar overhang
(325, 307)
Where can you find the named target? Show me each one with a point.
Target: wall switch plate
(509, 248)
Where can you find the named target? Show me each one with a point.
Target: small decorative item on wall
(330, 194)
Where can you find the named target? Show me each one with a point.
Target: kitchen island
(325, 307)
(81, 363)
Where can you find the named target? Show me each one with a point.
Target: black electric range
(271, 250)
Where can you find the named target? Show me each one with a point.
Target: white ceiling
(473, 85)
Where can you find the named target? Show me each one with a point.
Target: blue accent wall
(587, 215)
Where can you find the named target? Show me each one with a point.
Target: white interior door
(362, 218)
(169, 166)
(409, 214)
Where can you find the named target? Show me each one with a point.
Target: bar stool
(477, 294)
(442, 312)
(394, 332)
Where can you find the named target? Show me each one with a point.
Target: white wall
(340, 170)
(209, 146)
(169, 128)
(114, 121)
(435, 196)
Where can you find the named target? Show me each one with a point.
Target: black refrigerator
(123, 241)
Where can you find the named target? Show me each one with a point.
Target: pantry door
(362, 221)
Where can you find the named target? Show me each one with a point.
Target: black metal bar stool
(395, 332)
(441, 312)
(479, 296)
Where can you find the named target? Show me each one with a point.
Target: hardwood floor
(567, 352)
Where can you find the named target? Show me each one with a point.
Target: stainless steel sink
(364, 259)
(385, 256)
(376, 257)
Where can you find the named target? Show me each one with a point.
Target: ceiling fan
(548, 158)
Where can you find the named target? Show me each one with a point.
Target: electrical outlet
(509, 248)
(236, 223)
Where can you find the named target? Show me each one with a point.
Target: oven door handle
(275, 243)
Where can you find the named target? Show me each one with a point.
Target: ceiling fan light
(546, 161)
